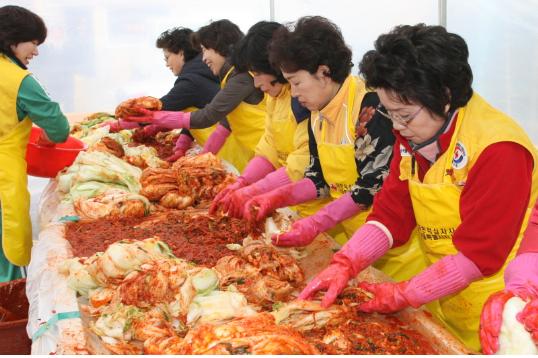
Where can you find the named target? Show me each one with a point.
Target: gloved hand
(304, 231)
(116, 126)
(44, 141)
(216, 140)
(449, 275)
(165, 119)
(235, 202)
(301, 233)
(224, 194)
(521, 279)
(183, 143)
(367, 245)
(333, 279)
(256, 169)
(259, 207)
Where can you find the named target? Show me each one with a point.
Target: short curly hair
(421, 64)
(251, 52)
(17, 25)
(178, 39)
(315, 41)
(220, 36)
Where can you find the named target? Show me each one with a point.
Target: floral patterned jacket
(373, 152)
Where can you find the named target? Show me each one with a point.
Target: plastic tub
(13, 336)
(46, 162)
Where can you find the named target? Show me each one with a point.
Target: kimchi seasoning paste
(369, 334)
(200, 239)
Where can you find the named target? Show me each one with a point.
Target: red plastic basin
(46, 162)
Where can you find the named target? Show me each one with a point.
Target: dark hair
(220, 36)
(423, 64)
(251, 52)
(176, 40)
(315, 41)
(17, 25)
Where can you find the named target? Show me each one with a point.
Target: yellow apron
(247, 125)
(436, 207)
(14, 195)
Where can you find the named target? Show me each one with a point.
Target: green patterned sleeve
(33, 101)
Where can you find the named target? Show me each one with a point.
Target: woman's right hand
(224, 195)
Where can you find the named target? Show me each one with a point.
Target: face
(174, 61)
(25, 51)
(267, 83)
(421, 126)
(213, 60)
(314, 91)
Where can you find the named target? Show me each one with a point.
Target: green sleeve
(32, 101)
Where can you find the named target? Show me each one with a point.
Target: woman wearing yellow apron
(237, 111)
(463, 173)
(22, 101)
(281, 155)
(349, 153)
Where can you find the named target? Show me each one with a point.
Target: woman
(282, 152)
(194, 87)
(22, 102)
(349, 154)
(238, 108)
(463, 173)
(520, 280)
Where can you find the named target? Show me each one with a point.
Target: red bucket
(46, 162)
(13, 336)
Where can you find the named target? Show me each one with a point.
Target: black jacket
(195, 87)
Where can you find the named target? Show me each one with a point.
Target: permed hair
(220, 36)
(176, 40)
(251, 52)
(421, 64)
(18, 25)
(315, 41)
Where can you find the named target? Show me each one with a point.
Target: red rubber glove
(259, 207)
(223, 195)
(257, 169)
(216, 140)
(116, 126)
(305, 230)
(449, 275)
(521, 279)
(165, 119)
(234, 203)
(367, 245)
(389, 297)
(301, 233)
(44, 141)
(333, 279)
(183, 143)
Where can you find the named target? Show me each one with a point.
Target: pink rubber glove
(165, 119)
(216, 140)
(521, 279)
(183, 143)
(257, 168)
(259, 207)
(116, 126)
(304, 231)
(449, 275)
(367, 245)
(235, 203)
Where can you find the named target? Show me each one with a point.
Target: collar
(224, 70)
(443, 137)
(330, 111)
(14, 60)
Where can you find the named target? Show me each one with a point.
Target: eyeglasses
(401, 120)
